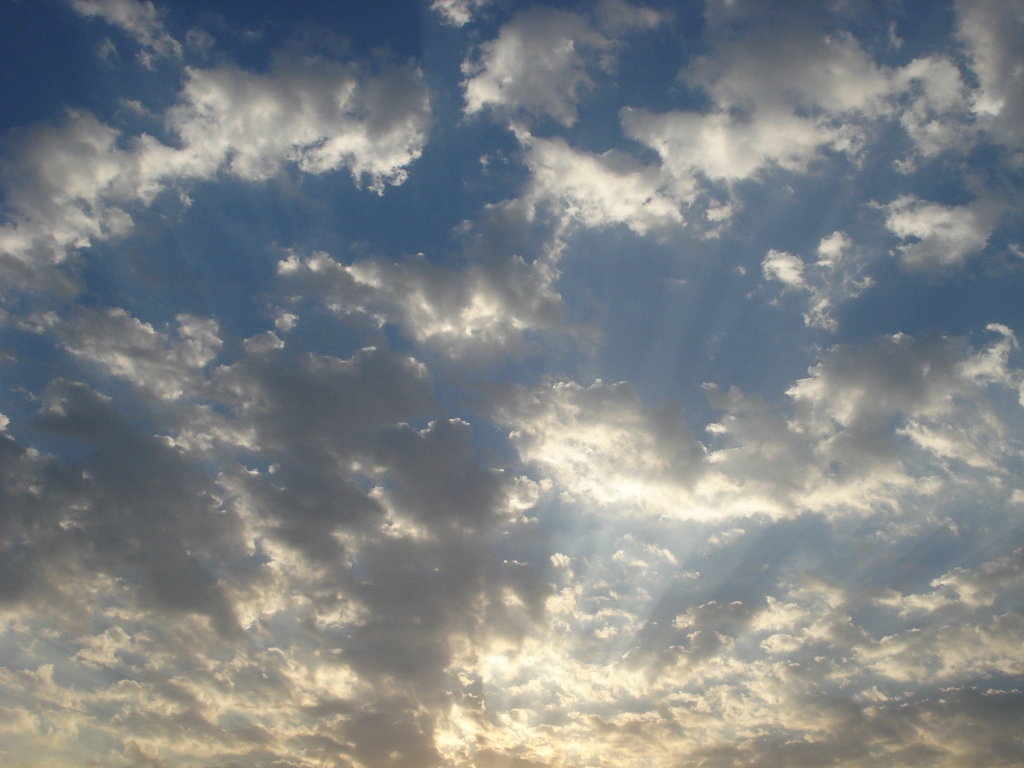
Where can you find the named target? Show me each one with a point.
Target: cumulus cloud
(321, 115)
(786, 96)
(141, 20)
(338, 569)
(938, 113)
(346, 491)
(70, 185)
(599, 443)
(65, 187)
(538, 64)
(616, 17)
(780, 98)
(870, 429)
(542, 61)
(122, 346)
(991, 31)
(836, 276)
(273, 535)
(474, 311)
(600, 190)
(809, 681)
(783, 96)
(937, 236)
(457, 12)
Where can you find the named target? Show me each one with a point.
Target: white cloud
(262, 552)
(375, 532)
(617, 16)
(267, 341)
(321, 115)
(122, 346)
(951, 653)
(379, 537)
(937, 236)
(724, 148)
(993, 33)
(836, 276)
(65, 187)
(778, 98)
(938, 114)
(457, 12)
(871, 430)
(786, 95)
(71, 185)
(141, 20)
(784, 267)
(974, 588)
(600, 190)
(538, 64)
(599, 444)
(793, 66)
(782, 97)
(469, 313)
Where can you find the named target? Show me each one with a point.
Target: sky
(485, 384)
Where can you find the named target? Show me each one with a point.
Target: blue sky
(493, 385)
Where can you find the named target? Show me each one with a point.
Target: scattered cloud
(457, 12)
(599, 190)
(836, 276)
(427, 478)
(538, 64)
(141, 20)
(70, 185)
(990, 30)
(479, 310)
(937, 236)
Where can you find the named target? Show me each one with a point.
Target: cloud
(598, 443)
(122, 346)
(938, 113)
(71, 185)
(134, 509)
(353, 552)
(457, 12)
(141, 20)
(836, 276)
(616, 17)
(815, 691)
(937, 236)
(991, 32)
(65, 187)
(472, 312)
(343, 490)
(322, 116)
(964, 587)
(538, 64)
(951, 653)
(780, 97)
(600, 190)
(870, 429)
(384, 511)
(542, 60)
(786, 95)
